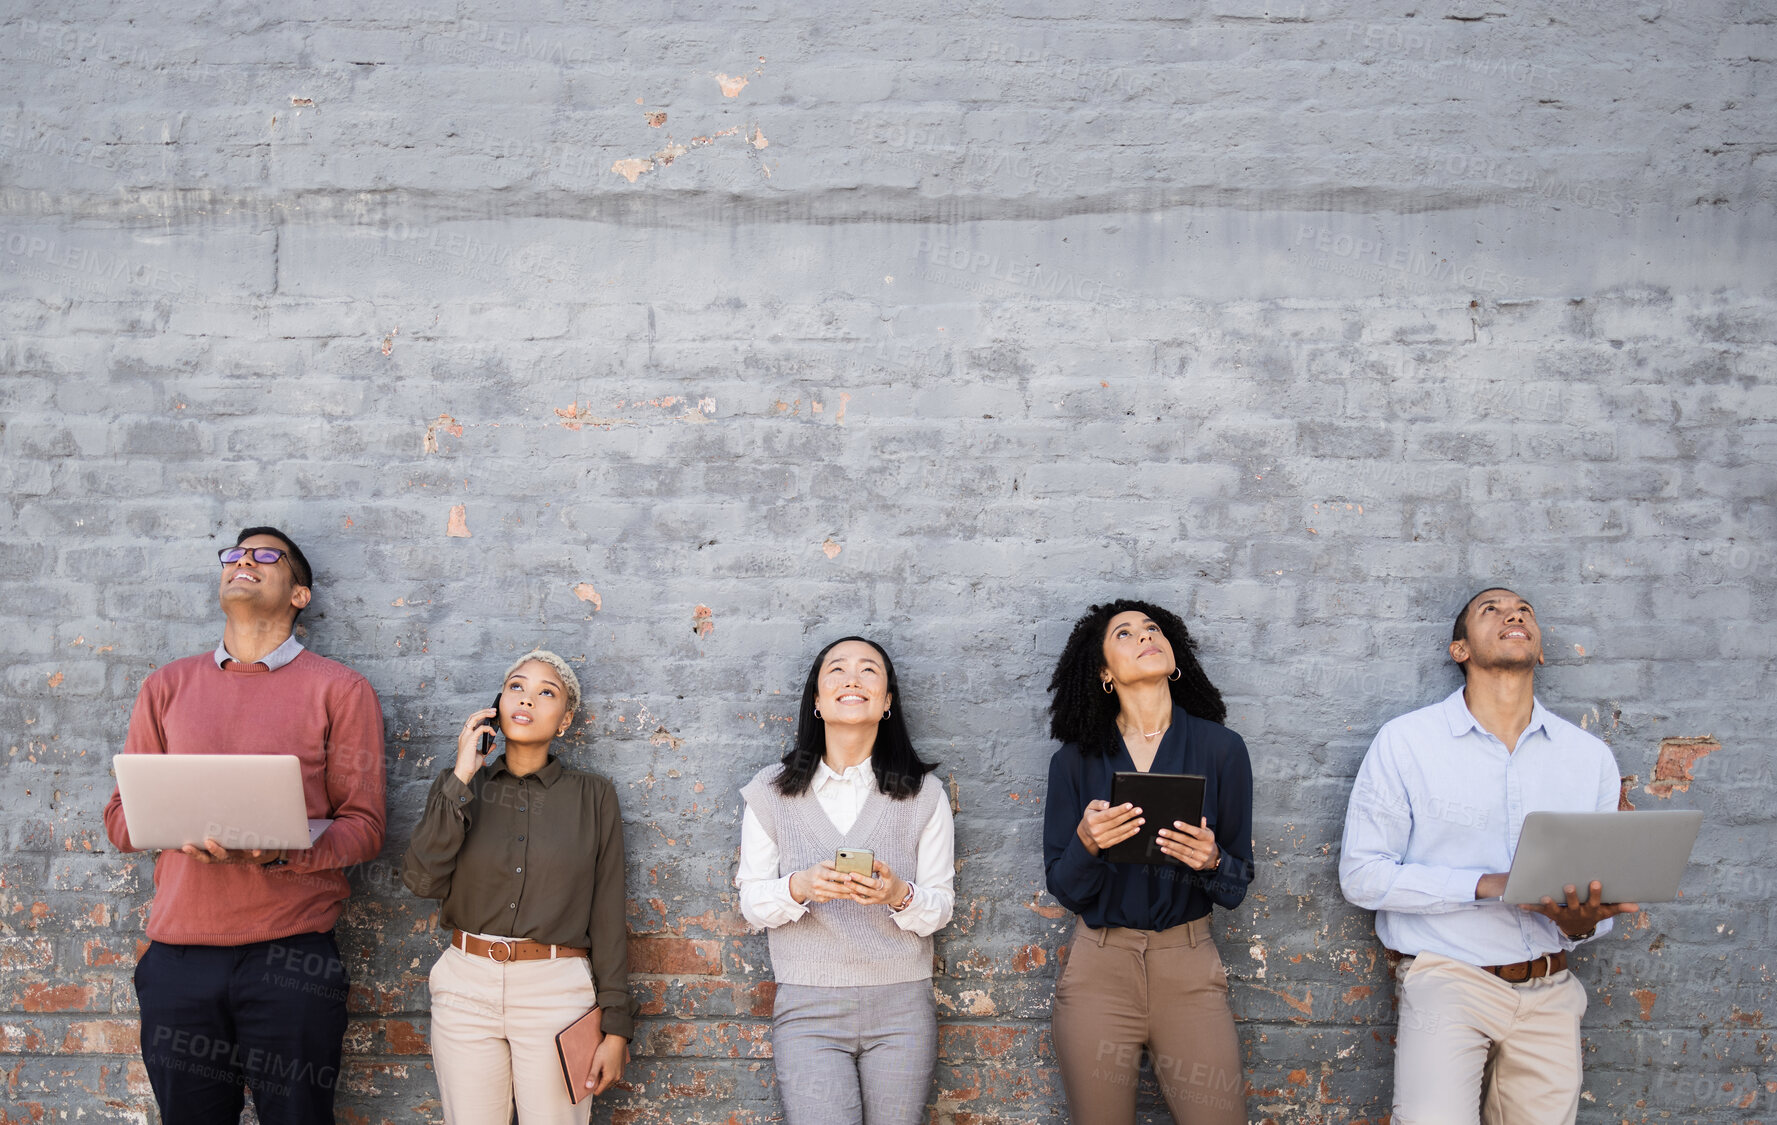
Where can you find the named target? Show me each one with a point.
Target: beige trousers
(1471, 1047)
(1159, 992)
(493, 1037)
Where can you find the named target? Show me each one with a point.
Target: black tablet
(1162, 798)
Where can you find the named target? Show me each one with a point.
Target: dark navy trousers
(219, 1020)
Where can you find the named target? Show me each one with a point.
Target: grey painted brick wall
(1303, 319)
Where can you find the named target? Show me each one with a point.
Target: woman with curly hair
(854, 1028)
(1143, 972)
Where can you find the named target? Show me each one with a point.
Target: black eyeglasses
(264, 556)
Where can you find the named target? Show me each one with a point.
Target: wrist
(904, 900)
(799, 898)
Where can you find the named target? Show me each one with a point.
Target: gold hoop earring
(1176, 672)
(1108, 689)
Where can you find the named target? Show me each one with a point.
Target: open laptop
(1637, 856)
(238, 800)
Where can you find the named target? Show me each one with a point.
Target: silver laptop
(1637, 856)
(238, 800)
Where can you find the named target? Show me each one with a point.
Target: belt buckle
(499, 942)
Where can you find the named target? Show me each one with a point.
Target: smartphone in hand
(858, 861)
(487, 740)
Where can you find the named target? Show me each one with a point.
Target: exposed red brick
(19, 1038)
(1623, 802)
(1645, 997)
(728, 923)
(762, 997)
(1298, 1078)
(674, 956)
(102, 1037)
(1672, 773)
(1357, 992)
(40, 997)
(107, 951)
(26, 953)
(1029, 957)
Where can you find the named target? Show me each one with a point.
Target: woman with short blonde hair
(527, 856)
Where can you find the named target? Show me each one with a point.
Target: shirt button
(521, 808)
(521, 839)
(512, 906)
(521, 871)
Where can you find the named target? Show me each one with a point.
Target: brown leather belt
(1545, 966)
(518, 949)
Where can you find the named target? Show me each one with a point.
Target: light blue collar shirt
(273, 660)
(1438, 803)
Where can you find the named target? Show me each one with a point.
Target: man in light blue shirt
(1489, 1015)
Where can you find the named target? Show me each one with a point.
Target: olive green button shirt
(538, 857)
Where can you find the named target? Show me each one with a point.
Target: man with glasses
(242, 985)
(1489, 1026)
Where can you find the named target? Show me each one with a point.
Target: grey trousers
(855, 1056)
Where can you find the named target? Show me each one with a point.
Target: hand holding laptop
(1576, 917)
(212, 852)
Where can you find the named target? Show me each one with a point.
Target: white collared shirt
(273, 660)
(765, 895)
(1438, 803)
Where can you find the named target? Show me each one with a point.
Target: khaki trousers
(493, 1037)
(1164, 992)
(1471, 1047)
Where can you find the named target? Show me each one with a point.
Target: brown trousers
(1162, 990)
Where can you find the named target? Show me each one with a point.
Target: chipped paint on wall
(458, 527)
(1672, 772)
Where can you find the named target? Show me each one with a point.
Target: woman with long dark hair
(1143, 974)
(854, 1029)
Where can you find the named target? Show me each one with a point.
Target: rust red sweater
(312, 707)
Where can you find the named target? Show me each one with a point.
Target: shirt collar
(861, 773)
(1462, 721)
(273, 660)
(552, 769)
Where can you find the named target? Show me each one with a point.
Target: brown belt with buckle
(517, 949)
(1545, 966)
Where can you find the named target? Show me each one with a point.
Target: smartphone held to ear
(487, 740)
(857, 861)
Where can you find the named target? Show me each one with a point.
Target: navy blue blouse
(1151, 896)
